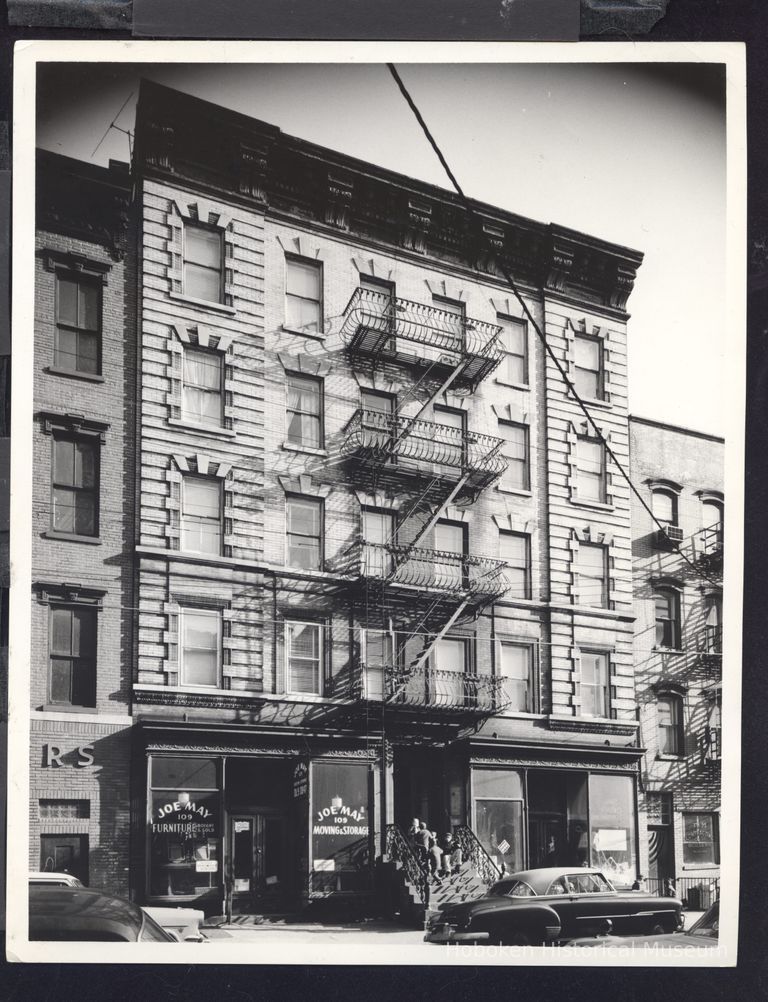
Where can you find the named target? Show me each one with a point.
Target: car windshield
(708, 925)
(512, 889)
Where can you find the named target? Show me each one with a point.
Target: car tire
(658, 929)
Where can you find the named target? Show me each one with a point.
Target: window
(201, 515)
(658, 807)
(669, 712)
(72, 676)
(304, 533)
(378, 536)
(202, 277)
(594, 684)
(304, 657)
(515, 551)
(379, 660)
(305, 411)
(664, 507)
(450, 437)
(713, 626)
(75, 485)
(378, 411)
(514, 339)
(200, 647)
(454, 312)
(516, 669)
(701, 842)
(590, 469)
(711, 514)
(516, 477)
(77, 345)
(667, 604)
(591, 575)
(714, 730)
(64, 810)
(588, 376)
(303, 295)
(201, 394)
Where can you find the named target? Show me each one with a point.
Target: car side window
(582, 883)
(520, 890)
(558, 886)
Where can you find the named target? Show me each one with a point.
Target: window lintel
(73, 424)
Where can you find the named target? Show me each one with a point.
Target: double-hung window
(516, 477)
(203, 262)
(594, 684)
(590, 465)
(304, 658)
(303, 295)
(201, 394)
(701, 841)
(669, 713)
(75, 485)
(452, 320)
(200, 647)
(378, 538)
(667, 606)
(515, 551)
(201, 515)
(592, 575)
(77, 345)
(588, 373)
(304, 533)
(305, 411)
(514, 339)
(664, 506)
(516, 669)
(72, 668)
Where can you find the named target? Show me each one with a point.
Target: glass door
(450, 543)
(256, 861)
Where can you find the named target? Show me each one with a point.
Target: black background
(686, 20)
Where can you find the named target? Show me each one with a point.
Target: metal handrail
(437, 570)
(383, 436)
(709, 640)
(473, 850)
(386, 318)
(399, 849)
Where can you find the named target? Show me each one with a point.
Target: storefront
(249, 830)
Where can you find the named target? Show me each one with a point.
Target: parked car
(550, 905)
(703, 932)
(76, 913)
(183, 923)
(54, 879)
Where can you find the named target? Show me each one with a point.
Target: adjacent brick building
(360, 556)
(678, 575)
(82, 543)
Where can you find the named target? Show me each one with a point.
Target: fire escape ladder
(439, 511)
(411, 422)
(429, 646)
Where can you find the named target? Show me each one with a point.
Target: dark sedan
(75, 913)
(553, 905)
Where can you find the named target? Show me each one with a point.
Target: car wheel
(658, 929)
(518, 939)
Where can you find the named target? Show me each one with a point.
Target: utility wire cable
(547, 347)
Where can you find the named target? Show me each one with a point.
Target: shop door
(546, 837)
(660, 854)
(65, 854)
(257, 860)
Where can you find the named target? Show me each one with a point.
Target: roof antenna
(116, 127)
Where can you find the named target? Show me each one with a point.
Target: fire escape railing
(383, 437)
(434, 688)
(709, 640)
(463, 575)
(708, 546)
(379, 324)
(474, 851)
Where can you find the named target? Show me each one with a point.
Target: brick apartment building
(678, 651)
(82, 540)
(382, 569)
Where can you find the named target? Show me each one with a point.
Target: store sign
(207, 865)
(300, 779)
(52, 756)
(339, 819)
(184, 818)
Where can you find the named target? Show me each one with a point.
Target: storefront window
(340, 810)
(185, 836)
(498, 796)
(612, 827)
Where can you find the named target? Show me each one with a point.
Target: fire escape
(422, 591)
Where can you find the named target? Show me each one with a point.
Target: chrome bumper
(448, 934)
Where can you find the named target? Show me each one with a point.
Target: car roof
(81, 908)
(540, 879)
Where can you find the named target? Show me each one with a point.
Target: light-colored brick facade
(683, 780)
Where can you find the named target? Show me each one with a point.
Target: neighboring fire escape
(704, 553)
(428, 463)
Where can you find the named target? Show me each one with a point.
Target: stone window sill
(291, 447)
(594, 505)
(206, 304)
(66, 708)
(670, 758)
(209, 429)
(512, 386)
(515, 492)
(71, 537)
(605, 405)
(89, 377)
(317, 335)
(667, 650)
